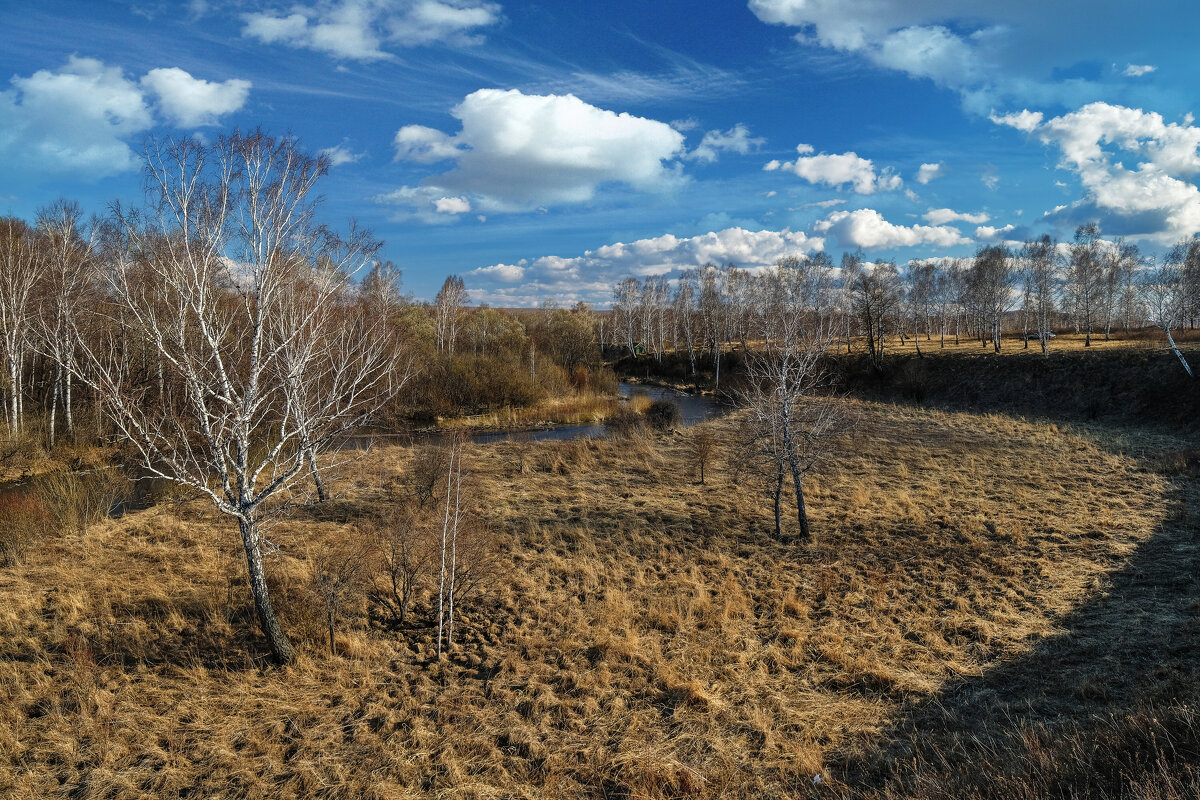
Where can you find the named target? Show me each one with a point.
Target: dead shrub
(23, 521)
(425, 477)
(76, 500)
(338, 580)
(19, 450)
(404, 545)
(624, 422)
(663, 415)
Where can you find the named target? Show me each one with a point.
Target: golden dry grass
(643, 637)
(580, 407)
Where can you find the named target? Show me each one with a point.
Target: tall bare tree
(1085, 278)
(877, 295)
(789, 418)
(1165, 292)
(21, 268)
(1041, 263)
(447, 307)
(991, 286)
(70, 262)
(236, 308)
(626, 327)
(684, 308)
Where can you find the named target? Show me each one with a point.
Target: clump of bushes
(75, 500)
(23, 520)
(663, 415)
(624, 422)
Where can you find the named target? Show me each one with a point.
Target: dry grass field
(992, 608)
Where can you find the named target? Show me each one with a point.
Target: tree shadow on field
(183, 631)
(1108, 708)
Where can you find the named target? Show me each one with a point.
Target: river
(693, 408)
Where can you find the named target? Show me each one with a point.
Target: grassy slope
(978, 582)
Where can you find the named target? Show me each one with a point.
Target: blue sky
(546, 150)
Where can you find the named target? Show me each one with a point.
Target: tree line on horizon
(1090, 286)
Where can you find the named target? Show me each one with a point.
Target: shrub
(75, 500)
(624, 422)
(663, 415)
(23, 520)
(700, 448)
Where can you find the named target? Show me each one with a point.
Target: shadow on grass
(1109, 708)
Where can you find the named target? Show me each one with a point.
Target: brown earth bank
(992, 607)
(1132, 380)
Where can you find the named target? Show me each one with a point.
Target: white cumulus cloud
(1156, 196)
(941, 216)
(83, 116)
(517, 151)
(737, 140)
(341, 154)
(193, 102)
(591, 276)
(839, 170)
(1138, 70)
(452, 205)
(929, 172)
(1024, 120)
(989, 233)
(867, 228)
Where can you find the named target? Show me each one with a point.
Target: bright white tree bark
(236, 292)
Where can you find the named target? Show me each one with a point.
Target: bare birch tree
(1165, 293)
(1042, 261)
(877, 294)
(21, 269)
(69, 266)
(447, 306)
(790, 418)
(1085, 278)
(236, 313)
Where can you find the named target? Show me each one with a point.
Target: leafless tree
(1041, 264)
(1165, 293)
(70, 265)
(712, 314)
(21, 269)
(851, 270)
(921, 298)
(625, 314)
(380, 288)
(991, 287)
(447, 307)
(236, 313)
(1118, 263)
(406, 549)
(790, 417)
(700, 447)
(1085, 278)
(684, 308)
(465, 548)
(338, 578)
(877, 294)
